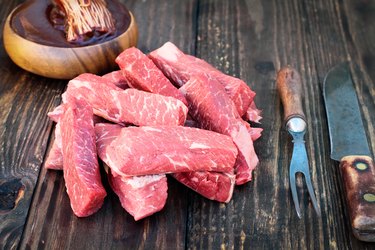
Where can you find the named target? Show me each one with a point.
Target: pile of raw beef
(162, 113)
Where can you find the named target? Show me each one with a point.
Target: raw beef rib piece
(180, 67)
(116, 78)
(80, 163)
(143, 74)
(55, 157)
(125, 106)
(212, 185)
(211, 107)
(145, 150)
(56, 113)
(141, 196)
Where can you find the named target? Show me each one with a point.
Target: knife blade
(349, 146)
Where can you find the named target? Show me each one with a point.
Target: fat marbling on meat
(212, 108)
(140, 196)
(125, 106)
(132, 151)
(80, 162)
(180, 67)
(143, 74)
(116, 77)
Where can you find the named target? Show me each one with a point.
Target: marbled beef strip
(143, 74)
(55, 157)
(125, 106)
(212, 185)
(212, 108)
(132, 151)
(180, 67)
(140, 196)
(80, 162)
(116, 78)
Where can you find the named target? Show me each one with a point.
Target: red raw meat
(56, 113)
(211, 107)
(116, 78)
(145, 150)
(81, 168)
(125, 106)
(141, 196)
(212, 185)
(180, 67)
(143, 74)
(55, 157)
(255, 133)
(253, 113)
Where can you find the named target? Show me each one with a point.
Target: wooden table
(248, 39)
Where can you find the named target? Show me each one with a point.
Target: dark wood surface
(249, 39)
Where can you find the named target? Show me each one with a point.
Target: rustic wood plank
(24, 135)
(253, 44)
(231, 43)
(51, 223)
(333, 45)
(24, 132)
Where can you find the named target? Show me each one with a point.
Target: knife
(349, 146)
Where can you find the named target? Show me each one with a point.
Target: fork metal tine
(311, 193)
(293, 188)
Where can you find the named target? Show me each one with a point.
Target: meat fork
(290, 89)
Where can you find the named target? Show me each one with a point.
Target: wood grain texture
(24, 132)
(24, 137)
(250, 39)
(259, 38)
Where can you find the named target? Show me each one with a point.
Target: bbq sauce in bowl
(35, 39)
(36, 21)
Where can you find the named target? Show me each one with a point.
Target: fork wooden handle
(289, 85)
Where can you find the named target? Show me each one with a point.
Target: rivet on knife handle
(358, 173)
(290, 90)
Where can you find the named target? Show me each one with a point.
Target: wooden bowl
(67, 63)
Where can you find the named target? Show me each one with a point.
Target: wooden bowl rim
(8, 26)
(21, 52)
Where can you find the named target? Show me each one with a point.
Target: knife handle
(289, 85)
(358, 173)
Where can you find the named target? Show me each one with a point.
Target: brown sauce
(31, 20)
